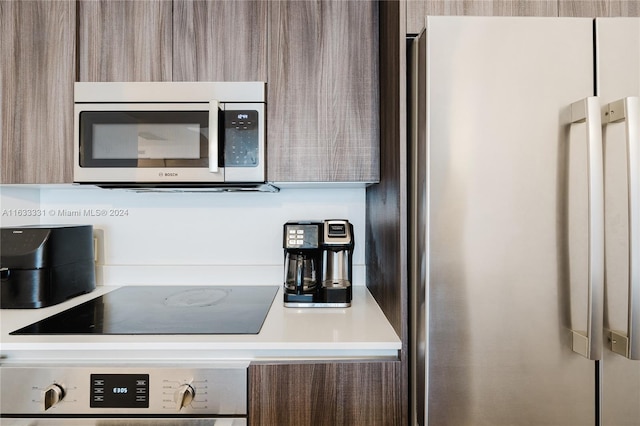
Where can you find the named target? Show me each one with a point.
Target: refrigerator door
(618, 70)
(500, 187)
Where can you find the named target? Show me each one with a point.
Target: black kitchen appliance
(44, 265)
(318, 261)
(164, 310)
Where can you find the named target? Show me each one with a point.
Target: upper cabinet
(37, 44)
(125, 40)
(323, 102)
(179, 40)
(219, 40)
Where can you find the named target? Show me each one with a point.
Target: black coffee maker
(318, 261)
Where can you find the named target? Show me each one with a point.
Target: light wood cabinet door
(322, 94)
(37, 45)
(219, 40)
(332, 394)
(122, 40)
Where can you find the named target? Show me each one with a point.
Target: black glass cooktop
(164, 310)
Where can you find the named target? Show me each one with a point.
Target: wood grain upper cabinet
(322, 94)
(37, 73)
(179, 40)
(219, 40)
(125, 40)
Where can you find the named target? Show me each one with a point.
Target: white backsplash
(17, 203)
(186, 238)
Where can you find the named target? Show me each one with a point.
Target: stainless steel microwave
(170, 134)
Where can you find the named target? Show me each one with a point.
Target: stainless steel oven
(132, 363)
(169, 133)
(110, 393)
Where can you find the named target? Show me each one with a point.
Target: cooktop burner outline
(197, 297)
(163, 310)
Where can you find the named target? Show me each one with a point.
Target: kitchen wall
(186, 238)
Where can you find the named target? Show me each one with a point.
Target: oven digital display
(119, 391)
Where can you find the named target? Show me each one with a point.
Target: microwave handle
(214, 107)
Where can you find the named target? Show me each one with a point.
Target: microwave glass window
(144, 139)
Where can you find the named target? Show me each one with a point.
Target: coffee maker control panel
(337, 229)
(301, 236)
(337, 232)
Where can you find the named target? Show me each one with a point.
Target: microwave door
(147, 143)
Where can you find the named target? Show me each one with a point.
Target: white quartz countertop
(360, 331)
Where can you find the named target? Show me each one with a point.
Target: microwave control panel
(241, 138)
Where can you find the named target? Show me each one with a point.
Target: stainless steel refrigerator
(525, 235)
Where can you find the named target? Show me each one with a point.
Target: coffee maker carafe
(318, 263)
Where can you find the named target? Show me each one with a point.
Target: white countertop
(360, 331)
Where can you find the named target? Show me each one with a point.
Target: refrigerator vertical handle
(589, 343)
(214, 107)
(628, 110)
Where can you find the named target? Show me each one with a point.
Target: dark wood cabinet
(331, 393)
(322, 101)
(37, 44)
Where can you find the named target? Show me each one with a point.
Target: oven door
(168, 142)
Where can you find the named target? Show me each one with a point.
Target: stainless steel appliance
(170, 134)
(524, 257)
(43, 265)
(180, 393)
(139, 390)
(318, 263)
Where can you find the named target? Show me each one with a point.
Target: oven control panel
(218, 389)
(119, 391)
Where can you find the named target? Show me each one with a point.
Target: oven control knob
(52, 395)
(184, 395)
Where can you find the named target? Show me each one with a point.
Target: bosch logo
(170, 174)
